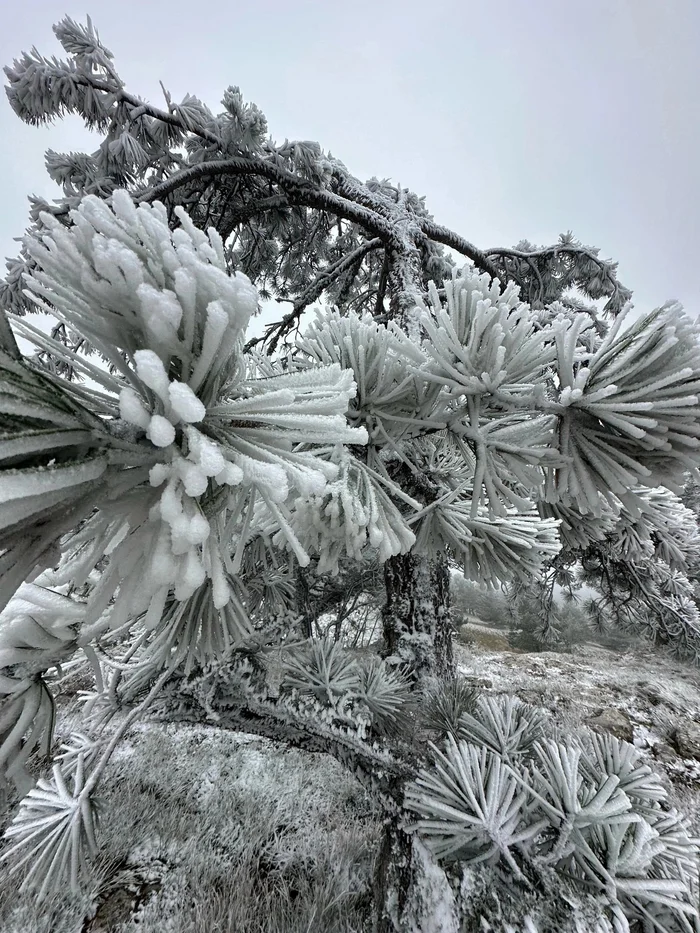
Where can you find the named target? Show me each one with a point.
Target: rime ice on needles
(37, 631)
(628, 413)
(127, 282)
(354, 512)
(390, 402)
(160, 306)
(484, 340)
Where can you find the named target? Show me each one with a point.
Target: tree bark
(303, 600)
(416, 618)
(392, 878)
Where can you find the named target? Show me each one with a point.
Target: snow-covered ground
(208, 830)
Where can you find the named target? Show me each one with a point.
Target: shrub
(588, 809)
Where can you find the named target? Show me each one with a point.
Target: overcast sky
(521, 118)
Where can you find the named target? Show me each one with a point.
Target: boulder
(613, 721)
(687, 740)
(663, 752)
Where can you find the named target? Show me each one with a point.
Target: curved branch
(568, 250)
(297, 190)
(544, 252)
(383, 772)
(455, 241)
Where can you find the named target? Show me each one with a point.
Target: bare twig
(312, 293)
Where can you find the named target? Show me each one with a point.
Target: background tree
(452, 424)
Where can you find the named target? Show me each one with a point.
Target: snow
(158, 474)
(160, 431)
(231, 475)
(131, 408)
(151, 371)
(194, 479)
(210, 457)
(185, 404)
(433, 908)
(161, 309)
(205, 452)
(198, 529)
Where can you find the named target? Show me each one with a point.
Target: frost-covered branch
(275, 332)
(440, 234)
(297, 190)
(555, 268)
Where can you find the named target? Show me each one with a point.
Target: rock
(478, 683)
(483, 637)
(651, 692)
(663, 752)
(687, 740)
(614, 722)
(533, 697)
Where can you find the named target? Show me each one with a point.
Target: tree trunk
(416, 617)
(392, 878)
(411, 891)
(304, 601)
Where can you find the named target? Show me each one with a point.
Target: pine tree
(291, 217)
(167, 508)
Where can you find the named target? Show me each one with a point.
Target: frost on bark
(416, 617)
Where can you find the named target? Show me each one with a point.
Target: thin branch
(381, 288)
(143, 109)
(324, 280)
(7, 338)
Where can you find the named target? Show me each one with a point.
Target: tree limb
(448, 238)
(296, 189)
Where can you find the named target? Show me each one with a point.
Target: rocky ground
(639, 695)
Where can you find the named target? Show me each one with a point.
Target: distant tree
(156, 517)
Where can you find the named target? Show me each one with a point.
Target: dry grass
(204, 830)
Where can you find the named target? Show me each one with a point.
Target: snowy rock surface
(613, 721)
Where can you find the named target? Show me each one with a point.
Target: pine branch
(568, 250)
(384, 772)
(445, 236)
(120, 96)
(314, 291)
(297, 190)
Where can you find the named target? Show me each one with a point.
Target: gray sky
(523, 118)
